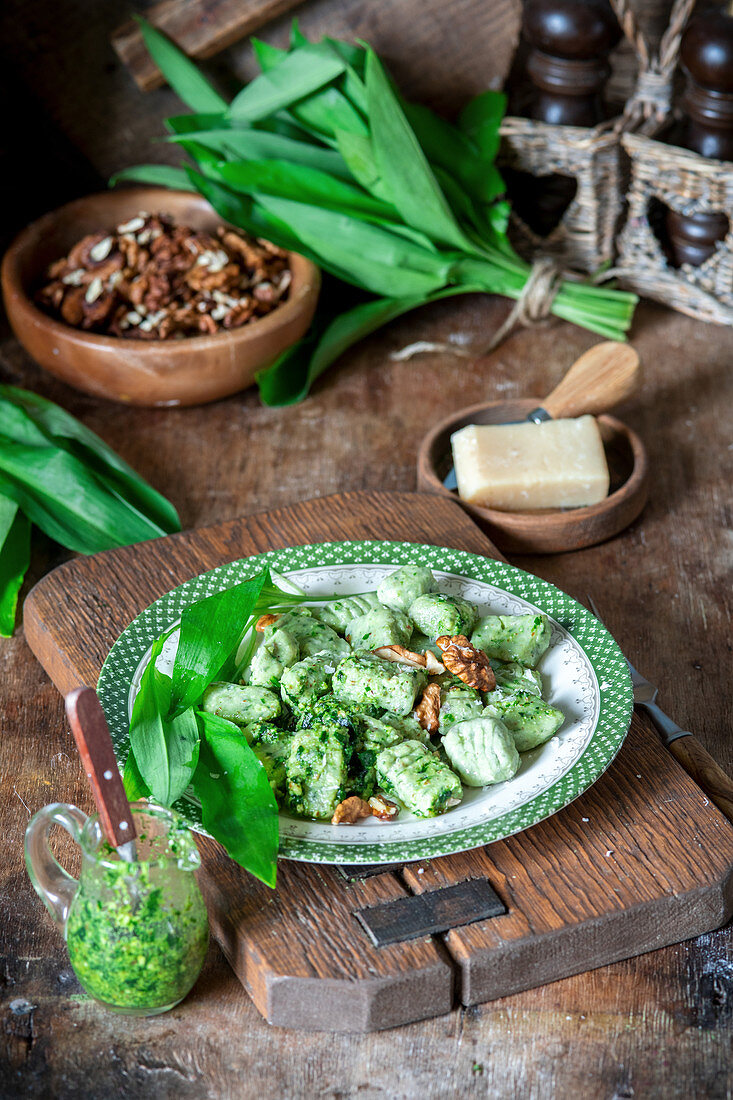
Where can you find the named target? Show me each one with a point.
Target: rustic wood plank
(304, 960)
(201, 28)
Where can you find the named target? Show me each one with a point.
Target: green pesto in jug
(137, 934)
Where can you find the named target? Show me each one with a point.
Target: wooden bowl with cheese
(553, 530)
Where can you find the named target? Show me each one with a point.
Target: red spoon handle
(92, 736)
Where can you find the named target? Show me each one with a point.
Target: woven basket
(584, 238)
(689, 184)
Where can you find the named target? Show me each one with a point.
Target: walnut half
(351, 810)
(400, 655)
(427, 710)
(264, 621)
(383, 808)
(466, 662)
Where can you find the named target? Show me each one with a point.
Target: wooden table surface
(655, 1026)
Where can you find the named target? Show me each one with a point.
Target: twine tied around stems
(534, 304)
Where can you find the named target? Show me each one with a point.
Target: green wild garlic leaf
(210, 633)
(60, 428)
(184, 77)
(165, 750)
(238, 807)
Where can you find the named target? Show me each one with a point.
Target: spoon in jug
(94, 742)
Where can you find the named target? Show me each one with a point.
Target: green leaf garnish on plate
(175, 746)
(238, 807)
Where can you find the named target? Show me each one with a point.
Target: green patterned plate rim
(584, 667)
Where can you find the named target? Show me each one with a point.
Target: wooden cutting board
(641, 860)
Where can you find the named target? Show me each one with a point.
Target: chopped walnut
(190, 280)
(466, 662)
(239, 314)
(401, 656)
(351, 810)
(427, 710)
(80, 255)
(72, 307)
(383, 808)
(264, 621)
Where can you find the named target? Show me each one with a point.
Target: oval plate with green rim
(585, 675)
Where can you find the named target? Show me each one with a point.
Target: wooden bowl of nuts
(145, 296)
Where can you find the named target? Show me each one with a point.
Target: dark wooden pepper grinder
(568, 63)
(706, 56)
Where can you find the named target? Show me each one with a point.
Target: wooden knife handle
(201, 28)
(706, 772)
(602, 377)
(92, 736)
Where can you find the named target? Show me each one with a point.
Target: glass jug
(137, 932)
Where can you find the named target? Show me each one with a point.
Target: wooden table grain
(656, 1026)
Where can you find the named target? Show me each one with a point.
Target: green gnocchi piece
(436, 614)
(531, 721)
(418, 779)
(330, 712)
(307, 679)
(402, 588)
(376, 734)
(379, 626)
(273, 757)
(482, 751)
(511, 676)
(458, 704)
(265, 733)
(390, 729)
(406, 725)
(316, 771)
(420, 643)
(363, 678)
(339, 613)
(519, 638)
(275, 653)
(312, 636)
(241, 703)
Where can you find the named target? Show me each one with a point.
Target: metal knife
(684, 746)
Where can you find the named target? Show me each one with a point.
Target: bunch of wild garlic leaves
(60, 476)
(321, 155)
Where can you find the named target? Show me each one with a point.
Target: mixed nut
(150, 279)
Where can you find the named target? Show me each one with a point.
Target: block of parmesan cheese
(525, 467)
